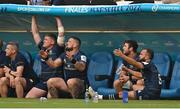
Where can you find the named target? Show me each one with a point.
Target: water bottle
(126, 88)
(125, 96)
(95, 98)
(86, 96)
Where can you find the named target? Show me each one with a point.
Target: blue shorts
(148, 93)
(45, 77)
(42, 85)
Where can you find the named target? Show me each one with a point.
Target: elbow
(81, 69)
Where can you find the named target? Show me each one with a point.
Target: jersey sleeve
(20, 61)
(146, 65)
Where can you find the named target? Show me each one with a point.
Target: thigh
(5, 80)
(76, 83)
(57, 82)
(36, 93)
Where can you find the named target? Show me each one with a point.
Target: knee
(17, 80)
(51, 82)
(3, 80)
(116, 83)
(71, 82)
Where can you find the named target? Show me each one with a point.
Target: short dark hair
(77, 39)
(133, 44)
(1, 44)
(150, 52)
(52, 36)
(14, 44)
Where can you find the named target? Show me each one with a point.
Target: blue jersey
(47, 71)
(69, 68)
(152, 79)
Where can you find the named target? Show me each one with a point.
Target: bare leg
(118, 86)
(54, 85)
(36, 93)
(4, 83)
(20, 84)
(76, 87)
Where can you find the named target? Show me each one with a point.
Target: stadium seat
(101, 63)
(110, 90)
(162, 62)
(174, 89)
(27, 55)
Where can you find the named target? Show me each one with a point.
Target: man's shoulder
(2, 53)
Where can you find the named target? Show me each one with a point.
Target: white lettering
(29, 9)
(76, 10)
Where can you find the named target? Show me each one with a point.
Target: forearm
(35, 30)
(80, 66)
(16, 74)
(60, 27)
(135, 73)
(52, 63)
(8, 75)
(132, 62)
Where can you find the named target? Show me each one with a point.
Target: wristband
(60, 39)
(61, 29)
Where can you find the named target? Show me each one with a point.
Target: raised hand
(118, 52)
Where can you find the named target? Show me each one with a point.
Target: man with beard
(130, 50)
(152, 79)
(74, 63)
(121, 77)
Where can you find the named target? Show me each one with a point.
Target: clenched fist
(44, 54)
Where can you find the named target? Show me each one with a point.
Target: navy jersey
(131, 66)
(69, 68)
(47, 71)
(151, 76)
(20, 60)
(3, 59)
